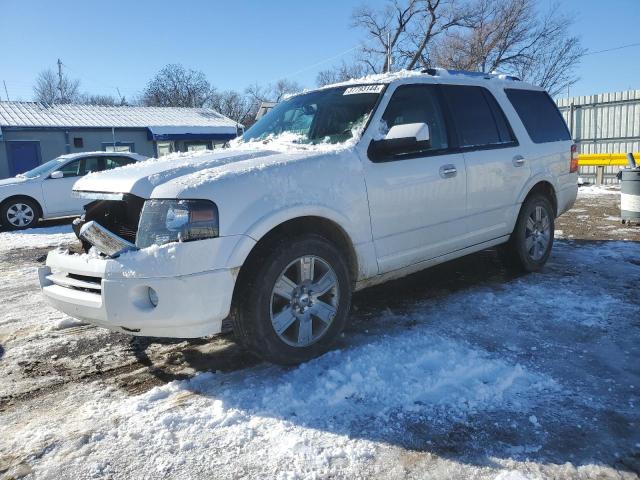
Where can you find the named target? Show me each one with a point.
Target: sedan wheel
(20, 214)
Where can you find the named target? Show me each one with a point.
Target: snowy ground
(463, 371)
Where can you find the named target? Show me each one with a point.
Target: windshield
(42, 169)
(333, 115)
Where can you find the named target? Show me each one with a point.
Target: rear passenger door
(417, 199)
(496, 169)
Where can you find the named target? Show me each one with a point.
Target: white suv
(334, 190)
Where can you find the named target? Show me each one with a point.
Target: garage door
(23, 156)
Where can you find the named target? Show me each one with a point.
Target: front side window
(417, 104)
(332, 115)
(539, 114)
(71, 169)
(479, 120)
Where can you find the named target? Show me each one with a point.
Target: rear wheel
(295, 301)
(19, 213)
(530, 244)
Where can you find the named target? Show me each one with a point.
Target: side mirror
(400, 139)
(56, 174)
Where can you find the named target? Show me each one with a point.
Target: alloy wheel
(304, 301)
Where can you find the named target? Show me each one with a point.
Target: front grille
(119, 216)
(83, 283)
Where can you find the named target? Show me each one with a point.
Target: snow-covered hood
(184, 171)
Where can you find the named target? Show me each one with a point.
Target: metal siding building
(33, 133)
(603, 123)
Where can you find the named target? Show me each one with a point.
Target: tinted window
(418, 104)
(90, 164)
(478, 117)
(539, 114)
(115, 162)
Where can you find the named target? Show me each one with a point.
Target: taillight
(573, 166)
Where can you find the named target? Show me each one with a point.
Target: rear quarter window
(539, 114)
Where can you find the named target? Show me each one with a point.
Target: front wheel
(295, 302)
(530, 244)
(19, 214)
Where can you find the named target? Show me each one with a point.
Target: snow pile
(37, 238)
(599, 190)
(322, 418)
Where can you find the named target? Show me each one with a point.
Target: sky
(121, 44)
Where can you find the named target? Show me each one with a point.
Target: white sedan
(45, 191)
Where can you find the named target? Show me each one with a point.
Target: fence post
(599, 175)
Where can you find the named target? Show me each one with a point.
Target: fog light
(153, 297)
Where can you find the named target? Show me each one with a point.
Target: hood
(14, 181)
(184, 170)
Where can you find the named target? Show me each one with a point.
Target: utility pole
(60, 79)
(5, 90)
(388, 62)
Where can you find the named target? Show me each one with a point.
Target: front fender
(362, 245)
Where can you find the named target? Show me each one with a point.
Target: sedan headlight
(164, 221)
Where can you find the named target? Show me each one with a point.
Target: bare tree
(175, 86)
(386, 29)
(273, 92)
(341, 73)
(98, 99)
(50, 89)
(403, 29)
(511, 36)
(236, 106)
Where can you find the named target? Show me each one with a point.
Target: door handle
(518, 161)
(448, 171)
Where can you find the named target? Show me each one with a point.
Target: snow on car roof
(440, 73)
(69, 156)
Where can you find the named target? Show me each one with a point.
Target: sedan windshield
(332, 115)
(42, 169)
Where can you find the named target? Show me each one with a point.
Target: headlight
(164, 221)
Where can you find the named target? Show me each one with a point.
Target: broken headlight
(164, 221)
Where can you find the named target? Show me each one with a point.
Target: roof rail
(443, 72)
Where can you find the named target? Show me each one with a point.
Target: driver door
(56, 192)
(417, 199)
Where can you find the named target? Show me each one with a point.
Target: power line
(613, 48)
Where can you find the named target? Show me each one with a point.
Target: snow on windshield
(329, 116)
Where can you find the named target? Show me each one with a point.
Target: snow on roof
(385, 78)
(34, 114)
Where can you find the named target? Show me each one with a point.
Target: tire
(19, 213)
(276, 294)
(531, 242)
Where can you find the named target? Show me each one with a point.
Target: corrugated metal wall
(603, 123)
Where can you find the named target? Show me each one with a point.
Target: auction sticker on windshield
(363, 89)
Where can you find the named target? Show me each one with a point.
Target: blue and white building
(32, 133)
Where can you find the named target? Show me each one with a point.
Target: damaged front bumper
(181, 290)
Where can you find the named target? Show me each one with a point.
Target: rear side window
(539, 114)
(115, 162)
(479, 120)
